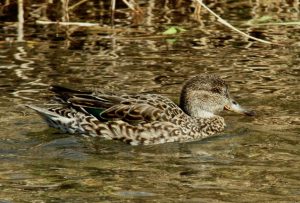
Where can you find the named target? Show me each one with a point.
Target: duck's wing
(167, 106)
(133, 109)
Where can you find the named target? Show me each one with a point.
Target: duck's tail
(60, 118)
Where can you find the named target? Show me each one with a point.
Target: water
(253, 160)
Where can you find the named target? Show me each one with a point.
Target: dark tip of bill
(250, 113)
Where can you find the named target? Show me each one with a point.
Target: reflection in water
(25, 63)
(20, 21)
(255, 159)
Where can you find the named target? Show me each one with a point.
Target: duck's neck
(200, 113)
(194, 107)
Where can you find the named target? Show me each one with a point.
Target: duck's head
(204, 96)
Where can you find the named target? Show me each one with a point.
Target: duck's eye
(216, 90)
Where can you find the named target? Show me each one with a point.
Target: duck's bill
(238, 109)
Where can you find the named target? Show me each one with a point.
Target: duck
(144, 119)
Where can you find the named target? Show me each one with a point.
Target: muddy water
(253, 160)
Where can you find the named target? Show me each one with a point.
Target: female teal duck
(144, 118)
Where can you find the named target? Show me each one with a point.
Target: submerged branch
(93, 25)
(222, 21)
(130, 5)
(77, 4)
(279, 23)
(41, 22)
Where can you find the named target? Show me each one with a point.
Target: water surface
(253, 160)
